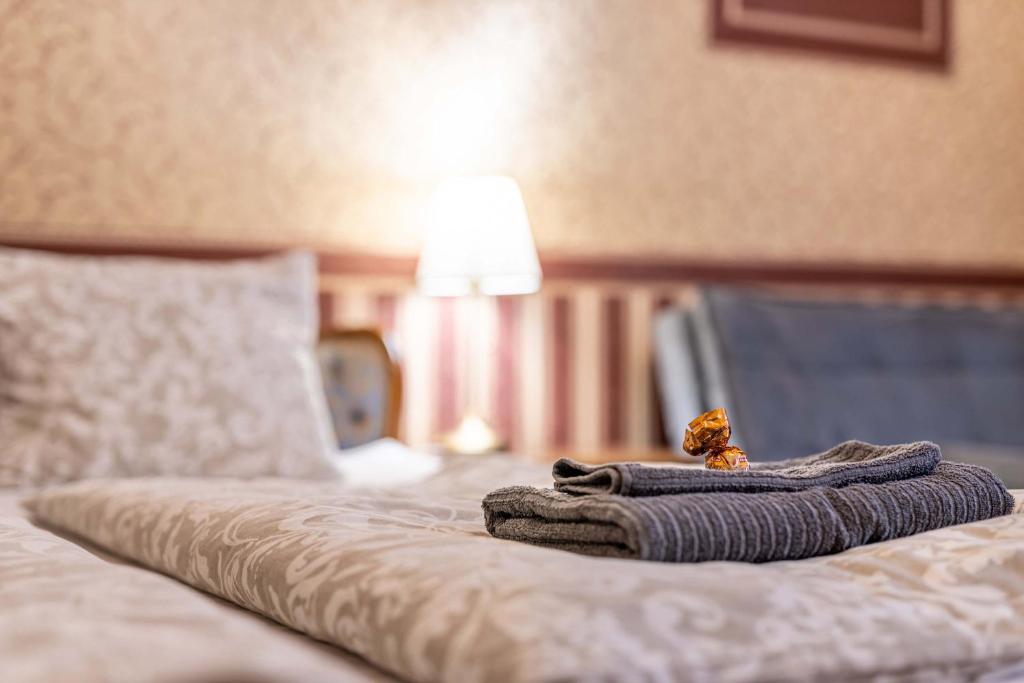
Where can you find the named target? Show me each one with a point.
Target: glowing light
(478, 240)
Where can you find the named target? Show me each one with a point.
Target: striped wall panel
(566, 370)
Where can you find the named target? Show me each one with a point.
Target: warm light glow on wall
(457, 110)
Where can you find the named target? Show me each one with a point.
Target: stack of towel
(853, 494)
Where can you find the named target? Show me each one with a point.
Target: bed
(204, 554)
(422, 593)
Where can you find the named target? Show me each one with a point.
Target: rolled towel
(851, 462)
(698, 527)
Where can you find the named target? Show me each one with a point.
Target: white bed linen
(409, 579)
(72, 614)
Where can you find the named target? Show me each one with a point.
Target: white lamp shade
(478, 240)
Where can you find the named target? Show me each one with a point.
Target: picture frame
(914, 31)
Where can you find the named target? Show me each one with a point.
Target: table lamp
(478, 244)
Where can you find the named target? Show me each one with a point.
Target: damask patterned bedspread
(410, 580)
(69, 614)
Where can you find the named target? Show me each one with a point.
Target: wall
(326, 122)
(565, 371)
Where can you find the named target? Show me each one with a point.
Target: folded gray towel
(698, 527)
(851, 462)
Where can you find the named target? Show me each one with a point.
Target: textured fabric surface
(71, 614)
(700, 527)
(115, 366)
(411, 580)
(797, 376)
(851, 462)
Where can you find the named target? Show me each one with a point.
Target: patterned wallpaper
(326, 122)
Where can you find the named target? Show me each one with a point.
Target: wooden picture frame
(915, 31)
(372, 338)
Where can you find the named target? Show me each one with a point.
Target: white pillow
(129, 366)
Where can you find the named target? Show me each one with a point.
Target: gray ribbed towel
(851, 462)
(762, 527)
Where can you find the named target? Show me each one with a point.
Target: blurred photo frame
(912, 31)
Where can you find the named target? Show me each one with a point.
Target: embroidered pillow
(130, 366)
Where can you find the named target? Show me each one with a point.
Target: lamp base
(473, 436)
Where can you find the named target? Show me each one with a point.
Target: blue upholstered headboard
(798, 375)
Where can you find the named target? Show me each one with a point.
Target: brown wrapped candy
(726, 458)
(708, 435)
(710, 430)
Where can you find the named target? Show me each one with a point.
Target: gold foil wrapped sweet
(707, 431)
(708, 435)
(726, 458)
